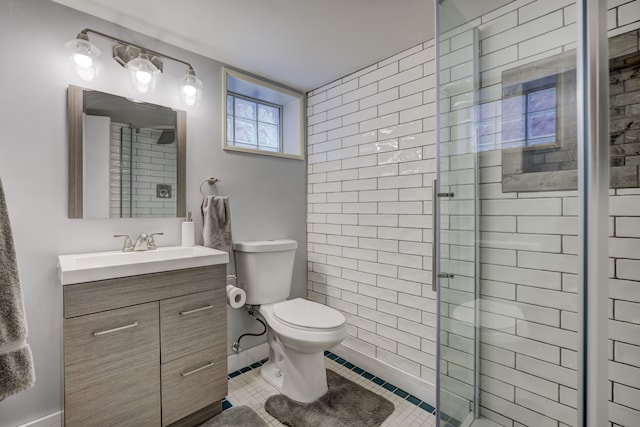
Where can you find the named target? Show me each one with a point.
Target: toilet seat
(308, 315)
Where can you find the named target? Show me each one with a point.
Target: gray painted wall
(268, 193)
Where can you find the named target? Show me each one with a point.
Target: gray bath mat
(345, 404)
(238, 416)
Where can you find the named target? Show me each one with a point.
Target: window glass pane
(229, 104)
(542, 99)
(513, 129)
(229, 128)
(268, 114)
(542, 124)
(268, 135)
(513, 106)
(246, 109)
(245, 130)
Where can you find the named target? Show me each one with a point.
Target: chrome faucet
(151, 243)
(128, 245)
(144, 242)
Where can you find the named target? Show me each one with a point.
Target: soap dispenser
(188, 231)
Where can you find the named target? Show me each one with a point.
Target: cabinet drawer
(192, 323)
(111, 367)
(193, 382)
(102, 295)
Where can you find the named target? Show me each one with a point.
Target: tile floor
(246, 387)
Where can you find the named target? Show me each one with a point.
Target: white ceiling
(303, 44)
(300, 43)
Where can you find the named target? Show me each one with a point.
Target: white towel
(216, 223)
(16, 362)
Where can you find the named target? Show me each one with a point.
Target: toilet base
(302, 377)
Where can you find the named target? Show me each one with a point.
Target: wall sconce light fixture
(143, 65)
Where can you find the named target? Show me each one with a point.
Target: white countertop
(89, 267)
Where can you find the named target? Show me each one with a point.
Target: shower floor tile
(249, 389)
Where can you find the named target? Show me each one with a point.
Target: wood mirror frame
(75, 123)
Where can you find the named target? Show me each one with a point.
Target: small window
(261, 117)
(252, 123)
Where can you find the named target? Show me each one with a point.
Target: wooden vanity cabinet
(145, 350)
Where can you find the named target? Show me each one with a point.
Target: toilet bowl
(298, 330)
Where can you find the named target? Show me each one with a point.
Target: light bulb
(189, 90)
(83, 61)
(83, 57)
(143, 77)
(143, 74)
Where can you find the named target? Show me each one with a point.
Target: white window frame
(292, 103)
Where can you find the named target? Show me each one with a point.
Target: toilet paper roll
(236, 297)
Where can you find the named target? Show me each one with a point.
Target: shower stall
(535, 210)
(474, 211)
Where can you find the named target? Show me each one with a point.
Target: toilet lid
(303, 313)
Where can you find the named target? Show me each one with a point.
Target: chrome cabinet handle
(206, 307)
(186, 374)
(119, 328)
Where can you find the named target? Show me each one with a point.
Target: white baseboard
(247, 357)
(420, 388)
(51, 420)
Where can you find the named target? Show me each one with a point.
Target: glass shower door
(455, 214)
(508, 213)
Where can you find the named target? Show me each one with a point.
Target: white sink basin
(88, 267)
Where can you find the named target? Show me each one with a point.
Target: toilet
(299, 330)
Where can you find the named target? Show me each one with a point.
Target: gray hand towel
(16, 363)
(216, 222)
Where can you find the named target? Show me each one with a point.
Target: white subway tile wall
(370, 153)
(137, 164)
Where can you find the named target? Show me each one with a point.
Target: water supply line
(236, 345)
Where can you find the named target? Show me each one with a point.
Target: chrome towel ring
(210, 181)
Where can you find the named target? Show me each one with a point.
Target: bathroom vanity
(145, 349)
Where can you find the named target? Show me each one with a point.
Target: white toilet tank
(265, 268)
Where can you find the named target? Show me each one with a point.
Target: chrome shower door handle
(434, 234)
(435, 247)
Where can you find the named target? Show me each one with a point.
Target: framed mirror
(126, 158)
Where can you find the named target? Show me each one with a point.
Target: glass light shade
(83, 57)
(143, 74)
(191, 89)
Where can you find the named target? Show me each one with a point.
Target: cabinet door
(193, 382)
(112, 368)
(192, 323)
